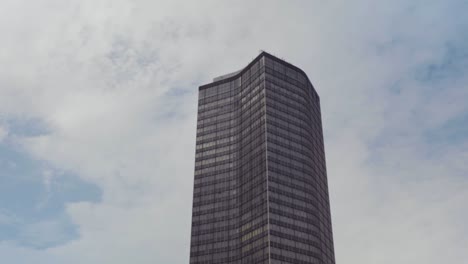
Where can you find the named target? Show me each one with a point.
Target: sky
(98, 104)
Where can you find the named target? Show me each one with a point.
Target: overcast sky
(98, 104)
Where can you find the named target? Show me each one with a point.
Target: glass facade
(260, 191)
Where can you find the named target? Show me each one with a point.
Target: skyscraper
(260, 192)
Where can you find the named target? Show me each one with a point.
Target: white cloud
(104, 77)
(43, 234)
(3, 133)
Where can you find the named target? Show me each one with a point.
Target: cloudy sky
(98, 109)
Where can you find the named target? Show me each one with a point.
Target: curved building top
(234, 75)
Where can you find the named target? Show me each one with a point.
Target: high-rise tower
(261, 192)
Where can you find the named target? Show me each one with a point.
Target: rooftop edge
(232, 76)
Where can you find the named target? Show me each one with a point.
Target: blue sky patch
(454, 131)
(33, 196)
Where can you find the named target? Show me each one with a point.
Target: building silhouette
(260, 191)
